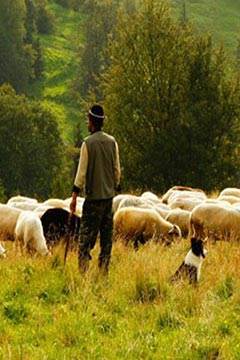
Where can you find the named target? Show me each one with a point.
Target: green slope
(60, 68)
(218, 17)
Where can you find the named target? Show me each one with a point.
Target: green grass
(48, 312)
(60, 64)
(217, 17)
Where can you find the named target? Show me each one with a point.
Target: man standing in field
(98, 177)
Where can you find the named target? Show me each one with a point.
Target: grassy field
(48, 312)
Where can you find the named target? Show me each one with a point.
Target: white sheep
(24, 205)
(20, 198)
(231, 199)
(141, 225)
(180, 218)
(41, 209)
(133, 200)
(148, 195)
(58, 203)
(163, 212)
(8, 220)
(117, 199)
(230, 191)
(185, 203)
(191, 195)
(29, 232)
(215, 221)
(179, 188)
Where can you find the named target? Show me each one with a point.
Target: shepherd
(97, 179)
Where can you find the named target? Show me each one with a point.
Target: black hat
(97, 112)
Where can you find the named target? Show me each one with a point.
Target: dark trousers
(97, 217)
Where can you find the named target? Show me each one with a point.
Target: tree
(44, 18)
(30, 21)
(101, 17)
(38, 63)
(170, 103)
(30, 146)
(15, 57)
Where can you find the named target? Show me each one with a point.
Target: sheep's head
(175, 231)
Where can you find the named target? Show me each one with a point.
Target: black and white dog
(192, 263)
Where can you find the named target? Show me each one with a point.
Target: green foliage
(31, 146)
(170, 102)
(45, 19)
(15, 57)
(71, 4)
(30, 21)
(100, 20)
(54, 87)
(38, 63)
(2, 193)
(31, 38)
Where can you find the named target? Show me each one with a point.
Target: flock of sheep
(180, 212)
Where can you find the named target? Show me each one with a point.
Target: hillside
(218, 17)
(60, 61)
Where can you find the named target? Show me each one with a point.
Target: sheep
(29, 232)
(186, 195)
(148, 195)
(58, 203)
(8, 220)
(24, 205)
(141, 225)
(215, 201)
(117, 199)
(58, 223)
(133, 200)
(163, 212)
(180, 218)
(185, 203)
(41, 209)
(230, 191)
(231, 199)
(215, 221)
(20, 198)
(179, 188)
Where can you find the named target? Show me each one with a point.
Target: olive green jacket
(98, 173)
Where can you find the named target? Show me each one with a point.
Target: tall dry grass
(51, 312)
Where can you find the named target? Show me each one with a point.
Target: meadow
(61, 52)
(51, 312)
